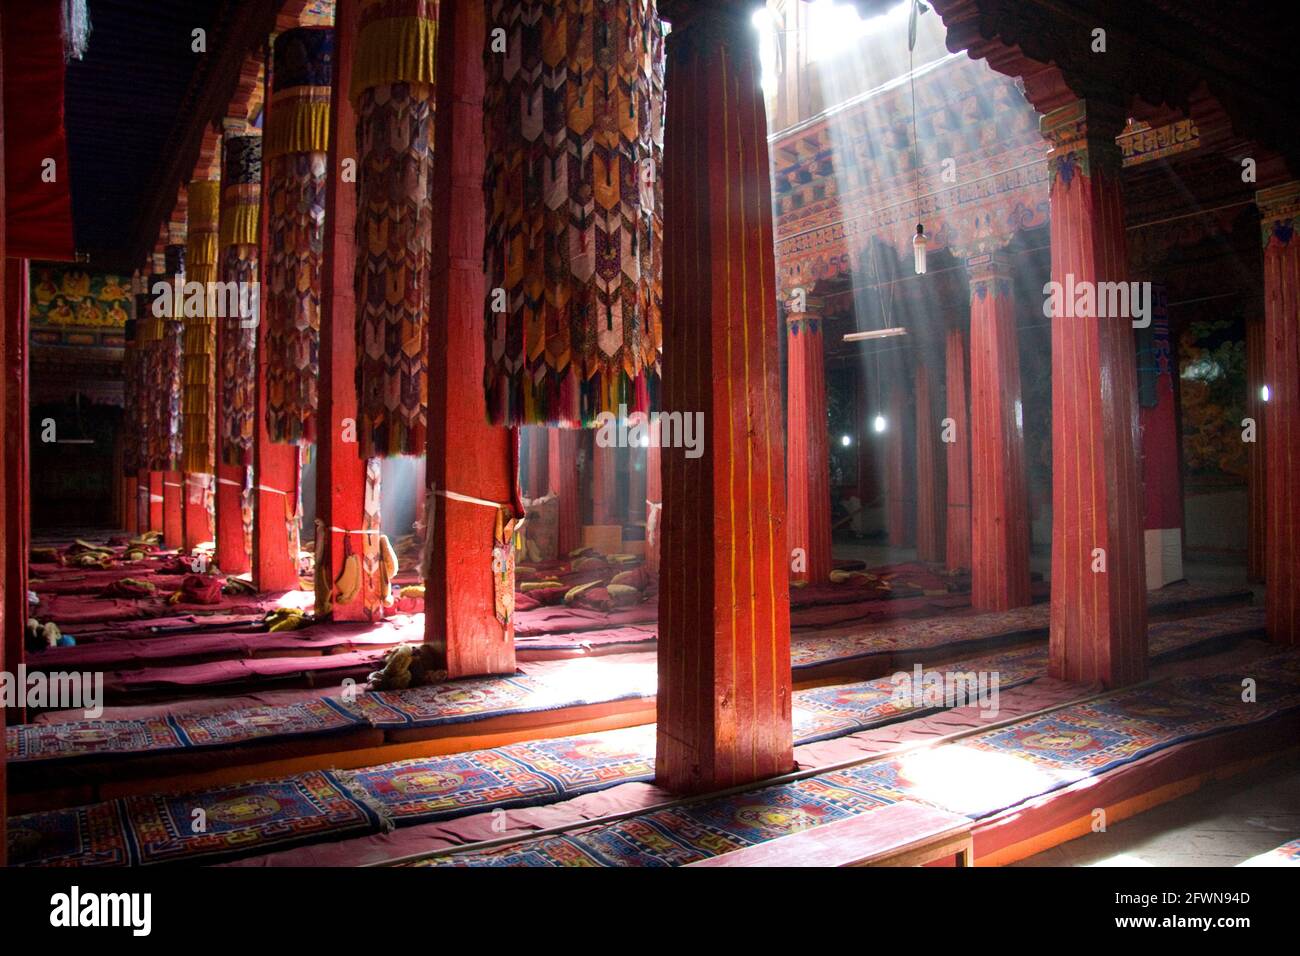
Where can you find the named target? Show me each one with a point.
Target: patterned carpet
(92, 738)
(1017, 624)
(270, 814)
(222, 823)
(976, 776)
(580, 682)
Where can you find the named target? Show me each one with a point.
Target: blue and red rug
(976, 776)
(218, 824)
(94, 738)
(582, 682)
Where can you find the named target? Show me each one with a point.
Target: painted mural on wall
(1212, 362)
(74, 307)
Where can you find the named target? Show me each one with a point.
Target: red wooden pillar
(538, 462)
(5, 662)
(130, 514)
(275, 465)
(157, 502)
(1098, 619)
(636, 498)
(604, 483)
(231, 554)
(724, 638)
(1280, 208)
(562, 462)
(999, 494)
(198, 519)
(957, 538)
(173, 483)
(1162, 478)
(142, 503)
(340, 471)
(900, 484)
(930, 494)
(17, 513)
(807, 453)
(1257, 481)
(466, 456)
(654, 502)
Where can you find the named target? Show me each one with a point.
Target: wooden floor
(1222, 824)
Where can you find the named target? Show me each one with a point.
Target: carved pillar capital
(989, 265)
(1082, 135)
(1279, 207)
(710, 26)
(805, 314)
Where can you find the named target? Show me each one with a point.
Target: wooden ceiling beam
(240, 27)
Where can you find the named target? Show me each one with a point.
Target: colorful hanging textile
(392, 87)
(573, 120)
(163, 368)
(201, 258)
(297, 136)
(133, 447)
(240, 206)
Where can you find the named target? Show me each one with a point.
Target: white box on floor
(1164, 548)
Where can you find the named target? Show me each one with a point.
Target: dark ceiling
(123, 103)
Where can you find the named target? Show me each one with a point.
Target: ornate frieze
(1278, 210)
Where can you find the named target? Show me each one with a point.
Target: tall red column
(127, 508)
(562, 479)
(930, 494)
(142, 505)
(1098, 618)
(957, 526)
(198, 519)
(5, 662)
(157, 503)
(900, 485)
(538, 462)
(1280, 208)
(275, 465)
(1162, 476)
(807, 454)
(466, 455)
(340, 471)
(604, 483)
(17, 515)
(654, 502)
(1257, 477)
(999, 496)
(173, 484)
(724, 638)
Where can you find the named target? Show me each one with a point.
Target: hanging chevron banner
(297, 137)
(161, 335)
(392, 88)
(134, 437)
(573, 119)
(199, 403)
(240, 206)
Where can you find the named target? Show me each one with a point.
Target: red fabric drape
(38, 220)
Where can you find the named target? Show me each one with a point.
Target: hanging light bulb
(879, 423)
(1264, 393)
(918, 249)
